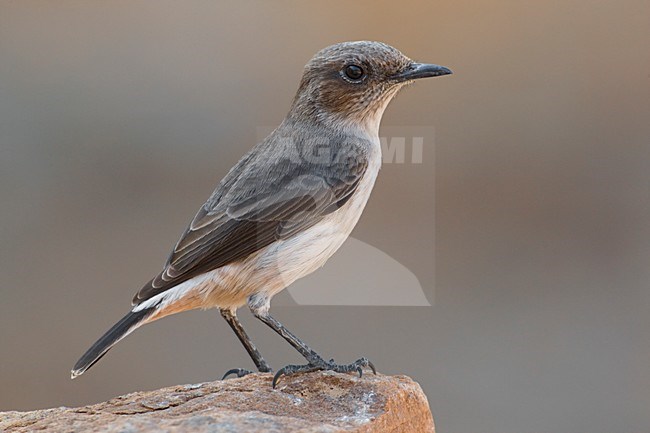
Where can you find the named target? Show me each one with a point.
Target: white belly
(283, 262)
(304, 253)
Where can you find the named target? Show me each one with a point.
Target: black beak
(421, 70)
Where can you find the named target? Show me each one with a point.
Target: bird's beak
(421, 70)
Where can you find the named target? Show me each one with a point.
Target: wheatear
(285, 207)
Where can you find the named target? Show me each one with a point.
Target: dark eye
(354, 72)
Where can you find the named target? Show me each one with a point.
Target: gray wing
(258, 203)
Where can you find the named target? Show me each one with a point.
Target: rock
(309, 403)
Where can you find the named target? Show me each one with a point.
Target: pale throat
(366, 124)
(371, 119)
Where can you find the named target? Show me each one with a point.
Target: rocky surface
(315, 402)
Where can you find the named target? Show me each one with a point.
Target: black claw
(277, 376)
(240, 372)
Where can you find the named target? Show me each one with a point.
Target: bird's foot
(239, 372)
(320, 364)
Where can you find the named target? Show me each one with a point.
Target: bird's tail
(121, 329)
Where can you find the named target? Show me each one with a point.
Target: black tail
(120, 330)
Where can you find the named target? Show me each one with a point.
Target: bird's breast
(307, 251)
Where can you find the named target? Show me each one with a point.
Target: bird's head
(353, 82)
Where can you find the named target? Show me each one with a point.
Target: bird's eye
(354, 72)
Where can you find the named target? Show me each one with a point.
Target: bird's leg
(260, 308)
(255, 355)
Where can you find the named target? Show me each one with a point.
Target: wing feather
(258, 203)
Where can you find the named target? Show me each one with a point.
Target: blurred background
(118, 118)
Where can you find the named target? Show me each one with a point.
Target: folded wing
(255, 205)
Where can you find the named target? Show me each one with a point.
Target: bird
(285, 208)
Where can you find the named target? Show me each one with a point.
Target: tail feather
(121, 329)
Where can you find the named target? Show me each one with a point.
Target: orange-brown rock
(315, 402)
